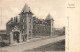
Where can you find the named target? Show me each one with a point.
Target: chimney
(11, 19)
(16, 19)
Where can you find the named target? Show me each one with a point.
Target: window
(22, 32)
(23, 14)
(30, 20)
(23, 26)
(23, 20)
(29, 33)
(29, 15)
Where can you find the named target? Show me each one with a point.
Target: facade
(42, 27)
(28, 26)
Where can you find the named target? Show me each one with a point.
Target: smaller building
(60, 31)
(2, 32)
(3, 36)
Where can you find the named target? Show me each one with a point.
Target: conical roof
(49, 17)
(26, 8)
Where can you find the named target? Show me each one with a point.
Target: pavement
(30, 45)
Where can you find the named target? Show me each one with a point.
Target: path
(31, 45)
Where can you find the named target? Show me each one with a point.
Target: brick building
(28, 26)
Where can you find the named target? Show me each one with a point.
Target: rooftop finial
(26, 8)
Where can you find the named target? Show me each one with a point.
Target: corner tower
(26, 25)
(50, 21)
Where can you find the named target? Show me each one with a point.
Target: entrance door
(16, 36)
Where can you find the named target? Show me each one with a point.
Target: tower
(26, 22)
(50, 22)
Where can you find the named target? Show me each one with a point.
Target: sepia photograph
(32, 25)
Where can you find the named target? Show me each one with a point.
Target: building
(2, 32)
(28, 26)
(3, 36)
(60, 31)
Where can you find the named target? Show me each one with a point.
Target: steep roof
(26, 8)
(49, 17)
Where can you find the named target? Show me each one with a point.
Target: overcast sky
(41, 8)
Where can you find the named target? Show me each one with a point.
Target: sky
(40, 8)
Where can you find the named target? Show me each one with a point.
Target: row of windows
(41, 32)
(23, 20)
(41, 28)
(47, 24)
(26, 15)
(41, 25)
(23, 27)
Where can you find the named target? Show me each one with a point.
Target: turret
(26, 21)
(50, 22)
